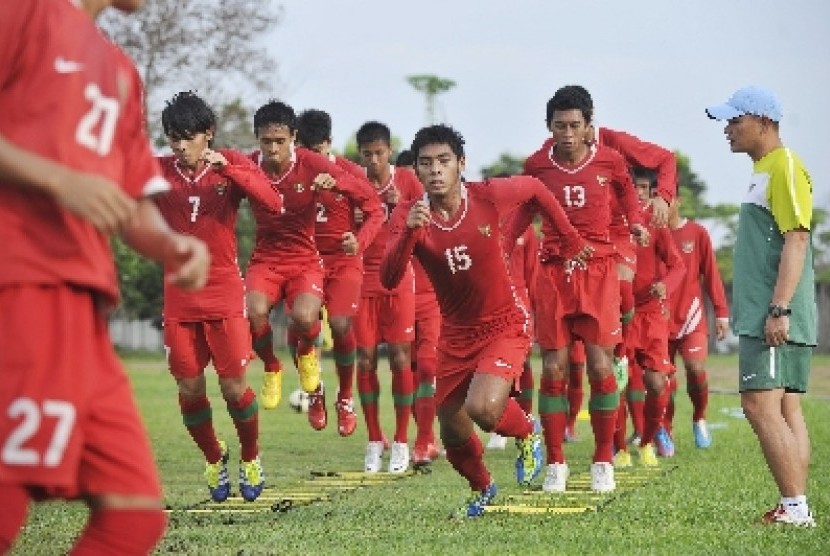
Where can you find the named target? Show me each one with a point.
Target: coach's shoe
(271, 389)
(346, 418)
(647, 456)
(309, 369)
(701, 431)
(318, 416)
(620, 365)
(474, 506)
(602, 477)
(251, 479)
(529, 461)
(780, 514)
(665, 444)
(371, 461)
(622, 460)
(496, 441)
(556, 477)
(216, 475)
(399, 457)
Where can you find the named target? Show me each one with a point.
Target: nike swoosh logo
(62, 65)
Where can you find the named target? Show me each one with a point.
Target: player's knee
(398, 358)
(339, 326)
(485, 413)
(232, 388)
(655, 382)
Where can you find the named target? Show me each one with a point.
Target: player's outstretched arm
(406, 227)
(242, 171)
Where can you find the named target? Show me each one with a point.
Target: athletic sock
(526, 384)
(198, 418)
(697, 384)
(553, 413)
(245, 415)
(368, 388)
(263, 343)
(403, 391)
(603, 407)
(514, 422)
(467, 459)
(344, 358)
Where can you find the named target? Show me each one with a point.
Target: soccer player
(207, 187)
(774, 306)
(458, 232)
(75, 169)
(285, 263)
(577, 302)
(341, 245)
(385, 315)
(688, 329)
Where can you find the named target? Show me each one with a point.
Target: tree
(431, 86)
(506, 165)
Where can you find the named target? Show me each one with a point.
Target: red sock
(198, 418)
(553, 413)
(575, 392)
(467, 459)
(603, 406)
(245, 415)
(655, 408)
(526, 385)
(424, 405)
(307, 338)
(636, 395)
(403, 390)
(668, 416)
(263, 343)
(13, 513)
(128, 532)
(368, 388)
(344, 357)
(698, 387)
(513, 422)
(619, 431)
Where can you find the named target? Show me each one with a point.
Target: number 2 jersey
(83, 109)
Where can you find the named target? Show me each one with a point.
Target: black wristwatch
(776, 311)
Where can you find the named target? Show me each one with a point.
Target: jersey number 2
(14, 450)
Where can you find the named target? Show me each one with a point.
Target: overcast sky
(652, 67)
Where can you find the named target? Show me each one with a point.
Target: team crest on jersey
(485, 230)
(602, 180)
(688, 246)
(221, 187)
(299, 187)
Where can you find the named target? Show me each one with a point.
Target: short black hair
(641, 173)
(439, 134)
(274, 112)
(571, 97)
(405, 158)
(373, 131)
(185, 115)
(313, 127)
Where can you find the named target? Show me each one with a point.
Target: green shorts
(763, 367)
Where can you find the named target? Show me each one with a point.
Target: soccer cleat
(633, 440)
(622, 460)
(346, 418)
(602, 477)
(620, 367)
(647, 456)
(271, 389)
(425, 453)
(216, 475)
(496, 441)
(780, 514)
(309, 369)
(556, 477)
(665, 444)
(317, 414)
(701, 432)
(529, 460)
(371, 461)
(570, 433)
(399, 457)
(474, 506)
(251, 479)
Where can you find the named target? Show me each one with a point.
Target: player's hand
(190, 260)
(393, 195)
(96, 199)
(324, 181)
(777, 330)
(640, 234)
(349, 243)
(658, 290)
(660, 211)
(418, 216)
(216, 159)
(721, 328)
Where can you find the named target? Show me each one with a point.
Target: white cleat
(399, 457)
(556, 477)
(371, 462)
(602, 477)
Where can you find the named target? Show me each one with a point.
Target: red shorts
(584, 304)
(190, 346)
(691, 347)
(502, 356)
(649, 341)
(344, 278)
(69, 425)
(626, 252)
(278, 282)
(427, 326)
(385, 318)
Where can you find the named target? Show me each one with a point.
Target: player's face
(275, 142)
(643, 187)
(570, 131)
(188, 150)
(375, 156)
(439, 169)
(321, 148)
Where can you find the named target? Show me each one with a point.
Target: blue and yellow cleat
(251, 479)
(664, 442)
(216, 475)
(530, 458)
(474, 506)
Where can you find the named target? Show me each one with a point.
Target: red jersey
(410, 189)
(287, 238)
(205, 205)
(336, 213)
(658, 261)
(70, 95)
(688, 312)
(585, 191)
(468, 257)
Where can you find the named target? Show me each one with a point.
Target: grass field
(708, 504)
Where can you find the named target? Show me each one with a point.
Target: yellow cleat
(309, 369)
(622, 459)
(648, 458)
(271, 389)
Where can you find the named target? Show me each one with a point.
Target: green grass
(709, 505)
